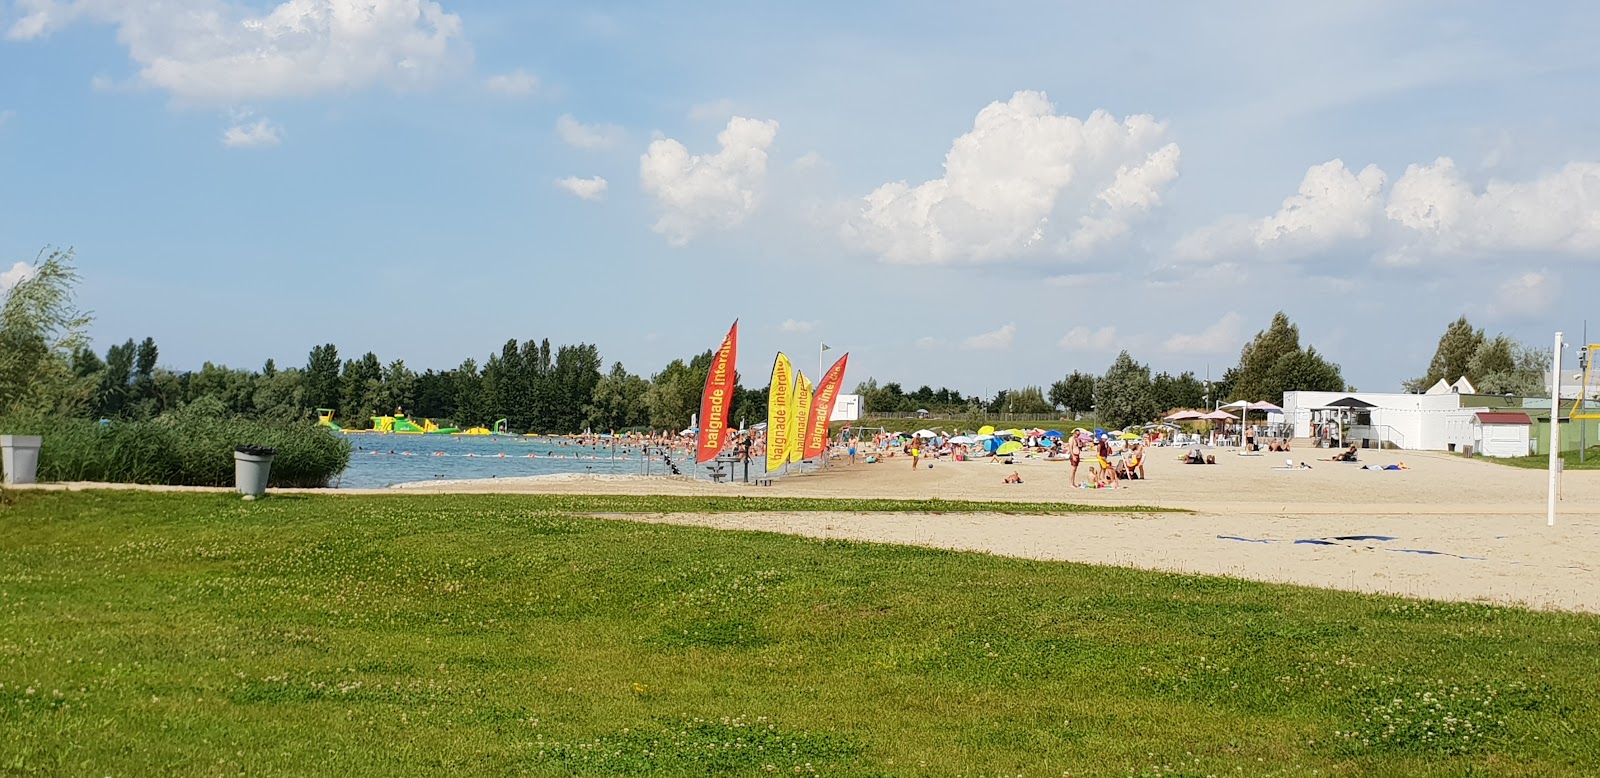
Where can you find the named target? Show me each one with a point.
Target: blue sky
(971, 195)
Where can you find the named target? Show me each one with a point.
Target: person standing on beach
(915, 451)
(1075, 457)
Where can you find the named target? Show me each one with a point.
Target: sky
(972, 195)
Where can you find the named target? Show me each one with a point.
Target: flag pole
(1555, 430)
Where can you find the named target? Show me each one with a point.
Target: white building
(1428, 422)
(1501, 433)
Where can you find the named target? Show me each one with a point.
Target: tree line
(46, 366)
(1493, 365)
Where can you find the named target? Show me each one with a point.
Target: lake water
(378, 461)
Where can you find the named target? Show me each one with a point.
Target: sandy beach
(1484, 521)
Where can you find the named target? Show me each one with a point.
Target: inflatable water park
(399, 424)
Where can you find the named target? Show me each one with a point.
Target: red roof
(1503, 417)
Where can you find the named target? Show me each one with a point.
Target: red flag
(718, 396)
(816, 437)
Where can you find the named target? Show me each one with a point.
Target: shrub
(191, 447)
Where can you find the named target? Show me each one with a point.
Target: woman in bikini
(1103, 451)
(1136, 460)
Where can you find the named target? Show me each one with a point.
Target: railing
(1383, 435)
(963, 416)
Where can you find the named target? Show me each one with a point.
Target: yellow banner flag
(780, 413)
(798, 416)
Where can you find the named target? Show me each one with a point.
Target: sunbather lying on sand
(1347, 456)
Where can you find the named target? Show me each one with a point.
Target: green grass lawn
(1542, 461)
(197, 634)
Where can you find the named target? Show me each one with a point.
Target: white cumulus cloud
(585, 188)
(997, 340)
(1526, 296)
(588, 136)
(1431, 211)
(1557, 213)
(227, 52)
(1024, 178)
(1332, 205)
(16, 275)
(794, 325)
(1219, 338)
(1085, 339)
(258, 134)
(517, 83)
(695, 193)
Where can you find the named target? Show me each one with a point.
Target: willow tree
(40, 330)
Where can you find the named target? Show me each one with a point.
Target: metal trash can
(252, 466)
(19, 457)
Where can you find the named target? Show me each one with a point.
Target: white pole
(1555, 428)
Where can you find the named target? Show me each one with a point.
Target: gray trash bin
(252, 466)
(19, 457)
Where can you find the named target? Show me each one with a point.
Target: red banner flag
(816, 437)
(718, 396)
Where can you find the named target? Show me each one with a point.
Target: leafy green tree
(399, 386)
(1303, 371)
(234, 389)
(361, 390)
(1280, 339)
(280, 394)
(1028, 399)
(572, 383)
(674, 395)
(1122, 396)
(87, 364)
(435, 396)
(1525, 377)
(1274, 363)
(1453, 358)
(1494, 355)
(322, 387)
(144, 373)
(1075, 393)
(749, 406)
(470, 410)
(1183, 391)
(513, 386)
(40, 329)
(617, 401)
(116, 381)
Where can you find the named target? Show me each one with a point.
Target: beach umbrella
(1219, 416)
(986, 430)
(1128, 436)
(1185, 416)
(1053, 434)
(963, 440)
(925, 434)
(1009, 447)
